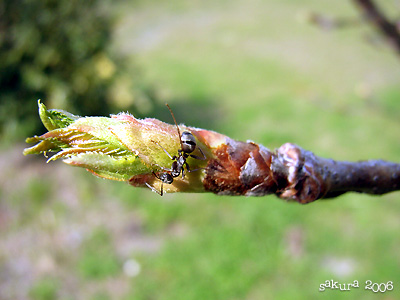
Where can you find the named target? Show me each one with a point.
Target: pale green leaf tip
(55, 118)
(98, 149)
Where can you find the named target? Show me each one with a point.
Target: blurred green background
(248, 69)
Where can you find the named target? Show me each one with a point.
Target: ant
(188, 145)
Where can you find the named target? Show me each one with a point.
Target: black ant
(188, 145)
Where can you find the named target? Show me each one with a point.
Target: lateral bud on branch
(293, 173)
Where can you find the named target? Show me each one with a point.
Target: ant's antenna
(179, 133)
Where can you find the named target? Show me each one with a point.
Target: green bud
(117, 147)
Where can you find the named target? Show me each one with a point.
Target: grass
(260, 75)
(98, 259)
(44, 289)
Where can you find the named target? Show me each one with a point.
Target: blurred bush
(58, 51)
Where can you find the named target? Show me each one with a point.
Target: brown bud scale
(240, 168)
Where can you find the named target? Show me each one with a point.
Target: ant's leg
(189, 170)
(198, 157)
(164, 169)
(169, 155)
(154, 189)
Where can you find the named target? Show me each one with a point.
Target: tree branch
(132, 150)
(376, 16)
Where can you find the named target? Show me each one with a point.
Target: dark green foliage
(57, 51)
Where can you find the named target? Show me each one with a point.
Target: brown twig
(376, 16)
(294, 174)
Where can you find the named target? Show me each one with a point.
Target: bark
(293, 173)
